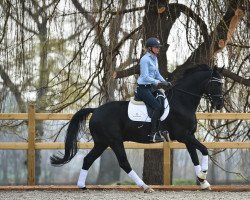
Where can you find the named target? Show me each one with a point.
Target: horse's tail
(71, 138)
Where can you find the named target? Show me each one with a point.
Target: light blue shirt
(149, 71)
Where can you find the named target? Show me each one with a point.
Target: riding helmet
(153, 42)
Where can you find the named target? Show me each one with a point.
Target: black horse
(110, 126)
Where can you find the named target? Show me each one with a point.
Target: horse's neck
(189, 92)
(195, 84)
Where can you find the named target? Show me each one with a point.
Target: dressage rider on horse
(150, 77)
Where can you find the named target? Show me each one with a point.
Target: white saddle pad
(137, 111)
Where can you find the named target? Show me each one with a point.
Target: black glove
(165, 83)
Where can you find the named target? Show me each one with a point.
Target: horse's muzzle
(218, 104)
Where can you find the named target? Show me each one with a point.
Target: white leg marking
(204, 163)
(139, 182)
(197, 169)
(82, 178)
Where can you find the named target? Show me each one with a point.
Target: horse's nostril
(219, 106)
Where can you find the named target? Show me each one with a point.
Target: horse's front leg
(200, 170)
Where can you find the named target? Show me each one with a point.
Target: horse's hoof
(148, 190)
(83, 188)
(205, 185)
(208, 188)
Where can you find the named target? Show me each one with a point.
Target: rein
(190, 93)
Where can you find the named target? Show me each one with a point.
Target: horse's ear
(216, 68)
(220, 70)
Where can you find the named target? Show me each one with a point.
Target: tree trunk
(156, 25)
(152, 169)
(41, 102)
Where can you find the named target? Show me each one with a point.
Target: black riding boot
(155, 135)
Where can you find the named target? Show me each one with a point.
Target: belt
(145, 85)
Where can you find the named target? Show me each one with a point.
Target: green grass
(125, 183)
(175, 182)
(184, 182)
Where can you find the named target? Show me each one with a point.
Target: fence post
(31, 144)
(166, 163)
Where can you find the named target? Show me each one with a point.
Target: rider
(149, 77)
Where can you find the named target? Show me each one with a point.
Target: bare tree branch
(220, 36)
(190, 13)
(127, 72)
(14, 89)
(126, 37)
(119, 12)
(5, 21)
(235, 77)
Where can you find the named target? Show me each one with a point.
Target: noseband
(208, 94)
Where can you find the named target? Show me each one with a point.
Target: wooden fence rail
(31, 146)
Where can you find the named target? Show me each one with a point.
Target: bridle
(208, 95)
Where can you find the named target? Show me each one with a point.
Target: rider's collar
(151, 54)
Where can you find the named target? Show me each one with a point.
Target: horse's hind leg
(120, 153)
(97, 150)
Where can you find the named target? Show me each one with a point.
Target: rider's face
(156, 50)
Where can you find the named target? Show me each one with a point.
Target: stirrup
(165, 135)
(156, 137)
